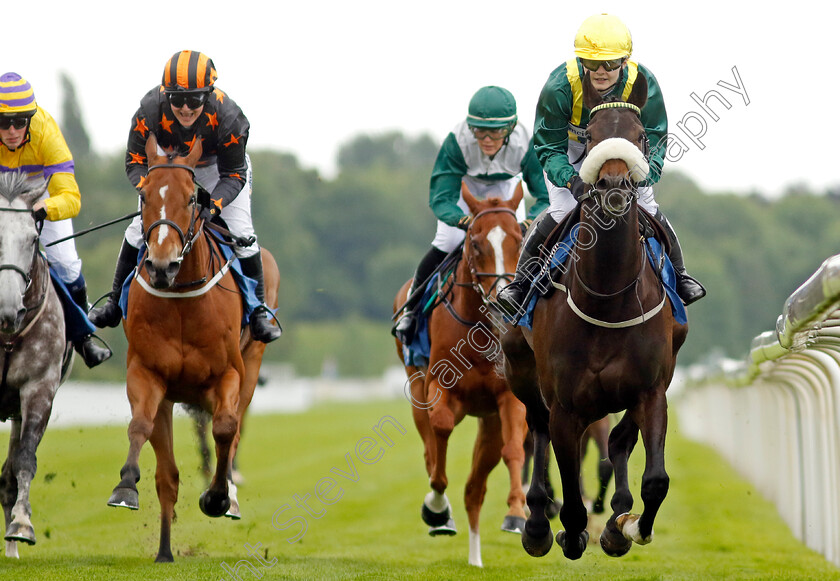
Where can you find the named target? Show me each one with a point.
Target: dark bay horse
(607, 341)
(185, 341)
(462, 378)
(34, 350)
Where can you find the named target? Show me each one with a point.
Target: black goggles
(609, 65)
(191, 100)
(16, 122)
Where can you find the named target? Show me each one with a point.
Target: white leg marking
(475, 549)
(436, 502)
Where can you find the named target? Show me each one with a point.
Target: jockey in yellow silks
(33, 143)
(602, 48)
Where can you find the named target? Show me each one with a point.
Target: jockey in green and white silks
(602, 48)
(491, 154)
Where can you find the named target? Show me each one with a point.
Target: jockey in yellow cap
(602, 50)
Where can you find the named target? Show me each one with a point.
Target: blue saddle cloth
(418, 352)
(246, 284)
(656, 256)
(76, 323)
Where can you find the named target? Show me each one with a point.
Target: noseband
(188, 239)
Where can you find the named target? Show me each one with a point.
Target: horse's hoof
(445, 530)
(435, 519)
(613, 542)
(628, 524)
(573, 550)
(513, 524)
(22, 533)
(213, 505)
(125, 498)
(537, 545)
(164, 558)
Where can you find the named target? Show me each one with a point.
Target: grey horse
(35, 356)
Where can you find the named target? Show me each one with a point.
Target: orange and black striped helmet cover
(189, 70)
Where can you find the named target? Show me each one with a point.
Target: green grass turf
(713, 525)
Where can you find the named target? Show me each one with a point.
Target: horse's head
(617, 146)
(18, 246)
(169, 211)
(491, 247)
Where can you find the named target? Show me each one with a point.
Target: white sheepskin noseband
(614, 148)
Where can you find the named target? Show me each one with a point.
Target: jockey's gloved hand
(40, 214)
(577, 186)
(464, 222)
(208, 210)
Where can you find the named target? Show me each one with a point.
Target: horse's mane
(15, 183)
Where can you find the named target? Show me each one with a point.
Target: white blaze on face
(163, 230)
(495, 237)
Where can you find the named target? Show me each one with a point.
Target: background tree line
(345, 245)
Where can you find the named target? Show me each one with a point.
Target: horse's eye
(192, 200)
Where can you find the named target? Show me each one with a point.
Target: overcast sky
(311, 75)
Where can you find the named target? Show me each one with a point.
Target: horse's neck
(614, 258)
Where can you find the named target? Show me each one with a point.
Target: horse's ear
(472, 203)
(195, 153)
(638, 96)
(591, 96)
(151, 149)
(518, 194)
(31, 196)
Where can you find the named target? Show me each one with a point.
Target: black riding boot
(528, 267)
(688, 287)
(91, 353)
(261, 318)
(406, 324)
(109, 314)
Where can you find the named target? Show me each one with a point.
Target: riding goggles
(609, 65)
(191, 100)
(16, 122)
(494, 134)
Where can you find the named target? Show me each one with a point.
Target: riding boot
(110, 314)
(406, 325)
(91, 353)
(688, 287)
(261, 318)
(512, 296)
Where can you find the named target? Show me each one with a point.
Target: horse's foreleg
(215, 500)
(166, 477)
(513, 431)
(420, 405)
(8, 485)
(537, 537)
(566, 433)
(652, 418)
(36, 405)
(436, 511)
(145, 392)
(622, 440)
(486, 455)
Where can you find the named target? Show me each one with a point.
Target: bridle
(10, 340)
(475, 275)
(192, 234)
